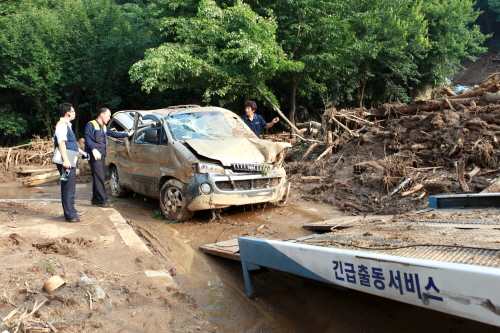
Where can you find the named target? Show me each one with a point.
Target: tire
(117, 190)
(173, 203)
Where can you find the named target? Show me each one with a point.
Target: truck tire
(173, 202)
(117, 190)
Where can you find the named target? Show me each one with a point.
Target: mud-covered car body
(194, 158)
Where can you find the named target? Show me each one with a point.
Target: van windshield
(212, 125)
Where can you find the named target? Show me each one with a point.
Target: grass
(169, 222)
(157, 214)
(49, 267)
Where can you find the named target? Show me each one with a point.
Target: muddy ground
(106, 287)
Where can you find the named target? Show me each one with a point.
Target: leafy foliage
(221, 50)
(11, 124)
(71, 50)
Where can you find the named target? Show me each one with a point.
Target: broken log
(314, 124)
(476, 92)
(493, 78)
(352, 205)
(474, 172)
(42, 179)
(327, 151)
(312, 177)
(7, 160)
(493, 188)
(461, 176)
(308, 151)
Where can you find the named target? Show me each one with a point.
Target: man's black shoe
(95, 203)
(80, 213)
(75, 219)
(106, 205)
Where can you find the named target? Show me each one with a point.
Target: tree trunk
(293, 97)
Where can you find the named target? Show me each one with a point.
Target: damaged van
(194, 158)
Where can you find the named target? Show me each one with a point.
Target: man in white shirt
(65, 140)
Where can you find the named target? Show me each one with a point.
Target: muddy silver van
(194, 158)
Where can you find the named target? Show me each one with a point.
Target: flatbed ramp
(226, 249)
(445, 259)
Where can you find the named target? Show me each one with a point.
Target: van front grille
(249, 184)
(252, 167)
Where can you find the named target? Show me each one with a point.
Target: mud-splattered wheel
(173, 201)
(116, 189)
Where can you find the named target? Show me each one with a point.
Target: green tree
(12, 125)
(71, 50)
(453, 36)
(225, 51)
(28, 62)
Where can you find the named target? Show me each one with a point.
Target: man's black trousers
(99, 195)
(68, 189)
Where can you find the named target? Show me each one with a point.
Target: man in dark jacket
(254, 120)
(96, 135)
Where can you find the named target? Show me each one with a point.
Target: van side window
(115, 126)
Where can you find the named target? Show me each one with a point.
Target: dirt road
(206, 294)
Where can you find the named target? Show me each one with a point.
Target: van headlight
(204, 167)
(205, 188)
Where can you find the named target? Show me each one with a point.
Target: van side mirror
(151, 136)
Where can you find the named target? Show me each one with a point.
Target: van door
(118, 149)
(146, 151)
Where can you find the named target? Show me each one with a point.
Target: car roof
(160, 113)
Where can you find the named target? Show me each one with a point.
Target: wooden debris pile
(31, 163)
(37, 152)
(372, 159)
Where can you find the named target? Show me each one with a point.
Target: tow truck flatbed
(446, 258)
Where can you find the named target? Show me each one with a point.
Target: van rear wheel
(173, 201)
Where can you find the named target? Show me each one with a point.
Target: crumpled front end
(216, 190)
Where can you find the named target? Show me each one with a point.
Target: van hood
(238, 150)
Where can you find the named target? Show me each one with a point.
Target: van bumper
(235, 190)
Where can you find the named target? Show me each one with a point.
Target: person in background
(96, 137)
(255, 121)
(65, 139)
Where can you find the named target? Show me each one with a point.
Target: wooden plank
(227, 249)
(345, 222)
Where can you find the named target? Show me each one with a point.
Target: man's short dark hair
(251, 104)
(103, 110)
(64, 108)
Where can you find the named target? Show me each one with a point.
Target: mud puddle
(285, 303)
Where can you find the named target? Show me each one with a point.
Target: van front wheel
(173, 201)
(117, 190)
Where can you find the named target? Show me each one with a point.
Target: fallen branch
(352, 205)
(312, 177)
(327, 151)
(343, 223)
(414, 189)
(424, 169)
(488, 172)
(473, 172)
(342, 125)
(308, 151)
(461, 176)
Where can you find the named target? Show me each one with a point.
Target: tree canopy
(150, 54)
